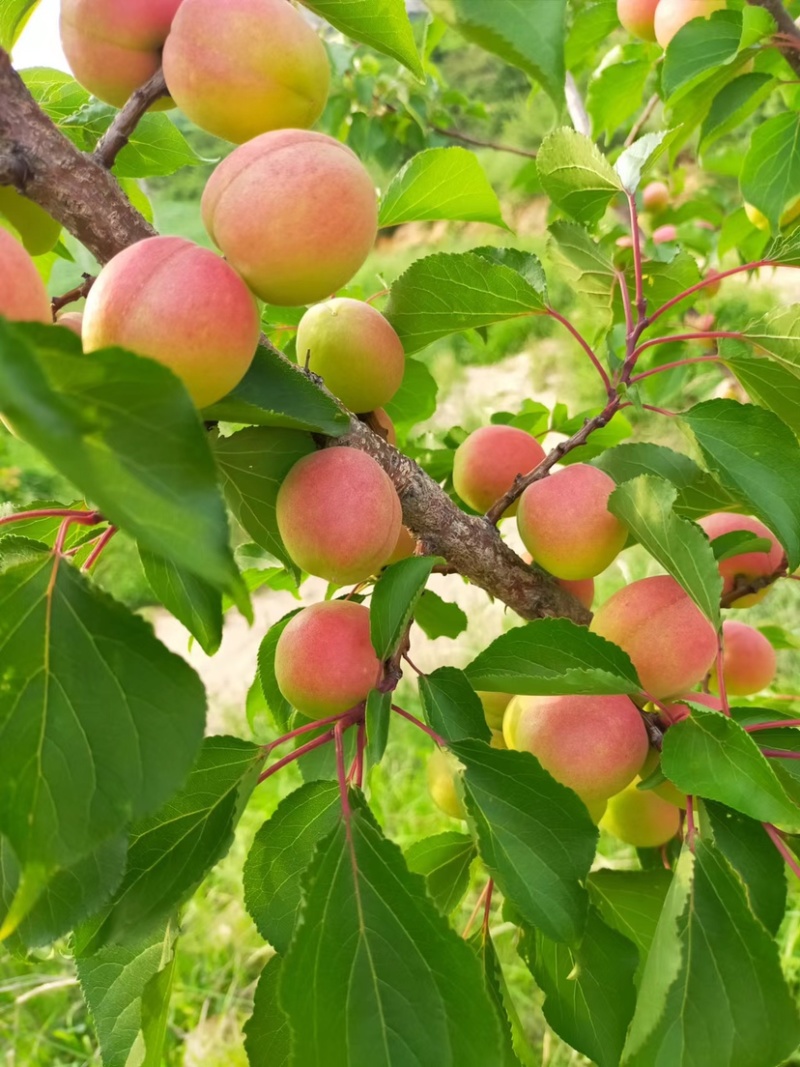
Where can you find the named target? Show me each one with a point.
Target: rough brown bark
(80, 192)
(790, 50)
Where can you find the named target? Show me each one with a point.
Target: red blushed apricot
(355, 351)
(295, 213)
(748, 660)
(243, 67)
(177, 303)
(339, 515)
(671, 643)
(642, 818)
(637, 17)
(655, 197)
(677, 712)
(114, 46)
(672, 15)
(742, 568)
(665, 234)
(23, 297)
(582, 588)
(593, 744)
(565, 523)
(487, 462)
(324, 659)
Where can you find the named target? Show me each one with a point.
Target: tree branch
(457, 135)
(119, 132)
(790, 50)
(77, 190)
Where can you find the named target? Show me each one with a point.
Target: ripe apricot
(655, 197)
(672, 15)
(582, 588)
(737, 570)
(494, 708)
(487, 462)
(665, 234)
(637, 17)
(642, 818)
(23, 297)
(443, 772)
(324, 659)
(38, 230)
(748, 660)
(677, 711)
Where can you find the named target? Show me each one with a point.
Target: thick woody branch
(75, 189)
(79, 191)
(788, 35)
(119, 132)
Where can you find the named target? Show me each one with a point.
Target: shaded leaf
(452, 707)
(192, 601)
(267, 1037)
(575, 176)
(444, 861)
(439, 618)
(393, 601)
(382, 24)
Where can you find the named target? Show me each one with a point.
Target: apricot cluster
(660, 20)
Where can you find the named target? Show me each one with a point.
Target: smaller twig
(777, 724)
(477, 142)
(121, 129)
(80, 292)
(586, 347)
(308, 727)
(754, 585)
(782, 847)
(309, 746)
(649, 108)
(672, 366)
(636, 234)
(626, 300)
(84, 518)
(660, 411)
(476, 909)
(421, 725)
(49, 513)
(710, 335)
(779, 753)
(102, 541)
(713, 280)
(413, 665)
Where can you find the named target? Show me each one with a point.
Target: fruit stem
(478, 903)
(309, 746)
(697, 336)
(306, 727)
(417, 722)
(96, 552)
(783, 848)
(672, 366)
(610, 390)
(771, 725)
(713, 280)
(50, 513)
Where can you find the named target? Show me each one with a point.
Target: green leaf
(441, 183)
(698, 48)
(534, 835)
(711, 998)
(449, 292)
(171, 851)
(748, 848)
(770, 174)
(376, 719)
(615, 93)
(645, 505)
(451, 705)
(663, 280)
(769, 385)
(276, 393)
(192, 601)
(393, 601)
(755, 456)
(776, 334)
(736, 542)
(415, 400)
(278, 705)
(576, 177)
(126, 988)
(734, 103)
(382, 24)
(253, 464)
(156, 148)
(267, 1037)
(550, 657)
(13, 16)
(513, 1038)
(281, 852)
(591, 26)
(528, 35)
(589, 991)
(444, 861)
(398, 986)
(439, 618)
(123, 430)
(711, 756)
(99, 723)
(631, 903)
(698, 492)
(586, 267)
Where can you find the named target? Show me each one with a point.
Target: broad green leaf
(777, 335)
(444, 862)
(588, 988)
(576, 177)
(393, 984)
(755, 456)
(615, 92)
(645, 505)
(439, 618)
(441, 183)
(663, 280)
(513, 1038)
(267, 1037)
(449, 292)
(710, 756)
(711, 998)
(156, 148)
(748, 848)
(553, 656)
(591, 26)
(770, 174)
(586, 267)
(13, 16)
(534, 836)
(274, 392)
(123, 430)
(451, 705)
(393, 601)
(699, 48)
(253, 464)
(769, 384)
(734, 103)
(99, 723)
(528, 265)
(172, 850)
(698, 492)
(415, 400)
(281, 852)
(126, 988)
(636, 158)
(376, 720)
(192, 601)
(528, 34)
(278, 705)
(382, 24)
(631, 902)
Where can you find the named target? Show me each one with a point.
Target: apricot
(593, 744)
(761, 222)
(637, 17)
(443, 773)
(406, 546)
(385, 425)
(38, 230)
(565, 523)
(172, 301)
(582, 589)
(71, 320)
(655, 196)
(642, 818)
(494, 708)
(355, 351)
(665, 234)
(339, 515)
(672, 15)
(324, 659)
(487, 462)
(671, 643)
(295, 213)
(23, 297)
(677, 712)
(715, 286)
(748, 660)
(737, 570)
(666, 790)
(243, 67)
(113, 47)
